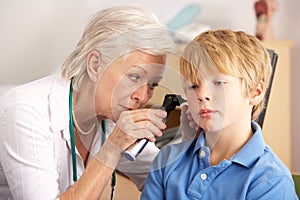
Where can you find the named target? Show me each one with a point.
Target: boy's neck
(227, 143)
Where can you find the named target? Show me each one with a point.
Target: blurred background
(37, 35)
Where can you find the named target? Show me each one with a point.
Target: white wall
(36, 35)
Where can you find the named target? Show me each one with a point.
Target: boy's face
(218, 102)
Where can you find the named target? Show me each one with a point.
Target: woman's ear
(258, 94)
(94, 61)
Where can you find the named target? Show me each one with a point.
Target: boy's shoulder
(272, 162)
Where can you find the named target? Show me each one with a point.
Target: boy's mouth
(206, 113)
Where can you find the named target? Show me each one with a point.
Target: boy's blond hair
(232, 53)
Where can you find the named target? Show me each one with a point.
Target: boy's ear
(94, 61)
(258, 94)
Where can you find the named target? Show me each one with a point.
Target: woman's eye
(134, 77)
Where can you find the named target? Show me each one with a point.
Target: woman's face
(128, 83)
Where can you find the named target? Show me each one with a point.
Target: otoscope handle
(169, 104)
(135, 150)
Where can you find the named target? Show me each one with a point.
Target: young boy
(226, 76)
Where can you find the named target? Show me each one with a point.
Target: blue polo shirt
(183, 171)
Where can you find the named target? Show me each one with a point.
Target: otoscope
(169, 104)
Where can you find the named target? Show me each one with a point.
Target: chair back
(296, 178)
(274, 58)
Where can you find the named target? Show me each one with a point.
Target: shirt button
(203, 176)
(202, 153)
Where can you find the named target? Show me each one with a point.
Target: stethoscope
(72, 140)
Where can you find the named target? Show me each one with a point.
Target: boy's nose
(204, 98)
(204, 93)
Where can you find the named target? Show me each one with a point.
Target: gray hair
(114, 32)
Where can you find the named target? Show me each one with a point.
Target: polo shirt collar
(253, 149)
(200, 142)
(247, 156)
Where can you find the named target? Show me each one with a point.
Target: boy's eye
(219, 83)
(192, 87)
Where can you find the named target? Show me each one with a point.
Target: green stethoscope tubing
(71, 127)
(72, 139)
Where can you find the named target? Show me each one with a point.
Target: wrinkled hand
(188, 126)
(137, 124)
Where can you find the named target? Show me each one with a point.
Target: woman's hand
(137, 124)
(188, 126)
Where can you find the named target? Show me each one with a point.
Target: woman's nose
(142, 94)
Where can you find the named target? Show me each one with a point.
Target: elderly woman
(53, 130)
